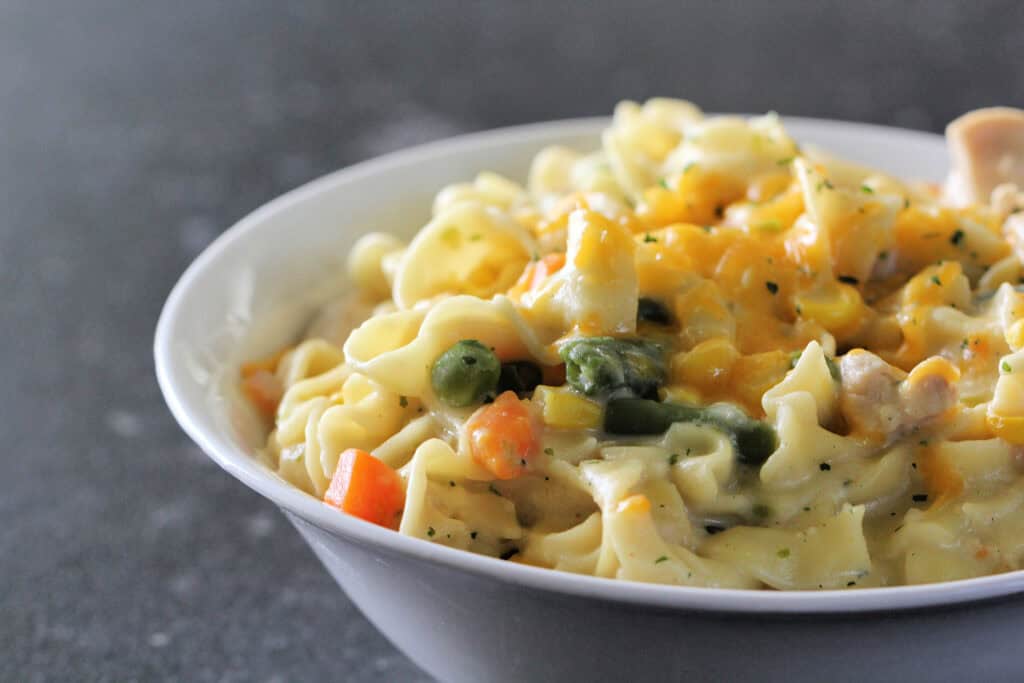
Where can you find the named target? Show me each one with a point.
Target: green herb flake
(403, 401)
(824, 467)
(648, 237)
(673, 459)
(882, 255)
(785, 162)
(663, 183)
(663, 558)
(956, 238)
(866, 190)
(430, 531)
(475, 237)
(783, 553)
(935, 279)
(920, 497)
(833, 368)
(769, 226)
(688, 166)
(549, 451)
(906, 203)
(490, 487)
(1005, 367)
(761, 510)
(772, 287)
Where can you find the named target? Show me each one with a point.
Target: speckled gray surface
(133, 133)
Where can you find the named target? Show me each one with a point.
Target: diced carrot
(366, 488)
(264, 390)
(503, 437)
(537, 272)
(268, 364)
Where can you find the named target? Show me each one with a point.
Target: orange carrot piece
(503, 437)
(268, 364)
(366, 488)
(537, 272)
(264, 390)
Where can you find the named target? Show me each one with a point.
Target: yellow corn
(638, 504)
(839, 309)
(565, 410)
(679, 394)
(936, 365)
(1009, 429)
(707, 365)
(1015, 335)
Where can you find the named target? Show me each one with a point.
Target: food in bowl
(700, 355)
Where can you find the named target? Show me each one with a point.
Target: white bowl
(465, 617)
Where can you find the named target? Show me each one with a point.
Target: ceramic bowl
(465, 617)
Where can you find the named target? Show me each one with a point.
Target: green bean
(643, 416)
(600, 366)
(753, 440)
(466, 374)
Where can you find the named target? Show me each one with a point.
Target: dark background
(132, 133)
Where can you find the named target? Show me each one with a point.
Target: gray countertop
(133, 133)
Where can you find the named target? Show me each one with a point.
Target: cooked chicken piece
(986, 148)
(881, 401)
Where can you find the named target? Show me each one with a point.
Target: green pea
(466, 374)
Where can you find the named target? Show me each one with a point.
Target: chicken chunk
(881, 401)
(986, 149)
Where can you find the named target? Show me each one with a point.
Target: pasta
(699, 355)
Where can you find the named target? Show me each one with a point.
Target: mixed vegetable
(754, 440)
(606, 366)
(625, 373)
(365, 487)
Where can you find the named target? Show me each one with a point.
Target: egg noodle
(701, 355)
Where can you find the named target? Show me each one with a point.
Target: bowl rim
(240, 464)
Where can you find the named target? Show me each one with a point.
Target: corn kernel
(707, 365)
(637, 505)
(678, 394)
(936, 365)
(565, 410)
(1009, 429)
(840, 309)
(1015, 335)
